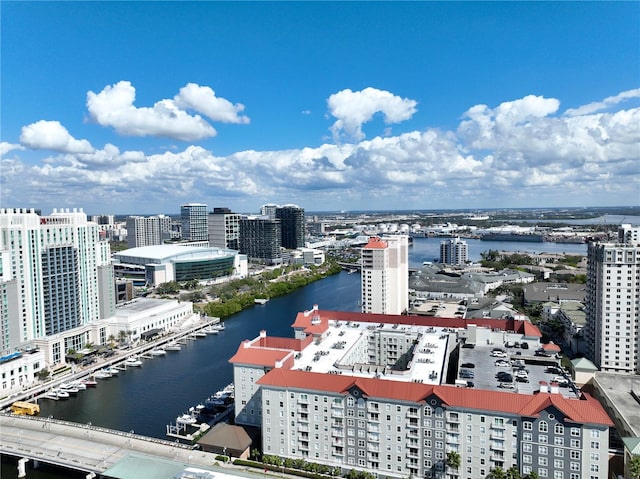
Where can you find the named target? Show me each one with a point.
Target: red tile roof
(551, 347)
(303, 321)
(376, 243)
(259, 356)
(584, 410)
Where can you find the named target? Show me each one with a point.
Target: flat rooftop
(622, 391)
(345, 348)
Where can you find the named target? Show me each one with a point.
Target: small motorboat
(90, 383)
(157, 352)
(79, 385)
(172, 347)
(102, 374)
(133, 361)
(210, 330)
(69, 388)
(111, 370)
(187, 419)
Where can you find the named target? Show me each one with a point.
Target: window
(575, 455)
(558, 429)
(543, 426)
(575, 443)
(526, 447)
(527, 425)
(575, 431)
(595, 434)
(558, 441)
(595, 445)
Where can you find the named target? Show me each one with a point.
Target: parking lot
(484, 369)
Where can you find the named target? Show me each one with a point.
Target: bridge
(88, 448)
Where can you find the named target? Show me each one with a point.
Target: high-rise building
(148, 231)
(193, 219)
(224, 229)
(292, 226)
(269, 210)
(612, 331)
(260, 239)
(56, 276)
(453, 251)
(385, 275)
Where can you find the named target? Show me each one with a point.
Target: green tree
(634, 467)
(453, 459)
(43, 374)
(532, 475)
(497, 473)
(513, 473)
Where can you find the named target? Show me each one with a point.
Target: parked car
(507, 385)
(501, 363)
(466, 374)
(520, 374)
(522, 379)
(499, 354)
(468, 365)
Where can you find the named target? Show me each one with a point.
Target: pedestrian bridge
(94, 450)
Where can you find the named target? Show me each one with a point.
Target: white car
(520, 373)
(502, 363)
(560, 380)
(499, 354)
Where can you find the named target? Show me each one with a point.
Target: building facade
(292, 226)
(373, 418)
(56, 279)
(453, 251)
(193, 221)
(224, 229)
(612, 331)
(147, 231)
(260, 239)
(385, 275)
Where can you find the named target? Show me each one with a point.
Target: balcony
(302, 409)
(412, 413)
(336, 413)
(497, 435)
(373, 438)
(497, 446)
(303, 427)
(455, 419)
(412, 443)
(373, 447)
(373, 428)
(304, 446)
(412, 423)
(413, 433)
(338, 442)
(337, 432)
(453, 428)
(303, 418)
(413, 453)
(338, 451)
(494, 425)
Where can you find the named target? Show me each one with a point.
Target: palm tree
(634, 467)
(513, 473)
(497, 473)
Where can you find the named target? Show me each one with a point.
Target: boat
(111, 370)
(51, 394)
(69, 388)
(186, 419)
(210, 330)
(133, 361)
(261, 300)
(172, 347)
(56, 394)
(158, 352)
(200, 334)
(90, 383)
(102, 374)
(219, 326)
(79, 385)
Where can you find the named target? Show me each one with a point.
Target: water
(146, 399)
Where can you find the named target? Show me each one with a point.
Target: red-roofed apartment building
(329, 396)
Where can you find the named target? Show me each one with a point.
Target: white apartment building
(335, 395)
(612, 306)
(453, 251)
(56, 278)
(147, 231)
(385, 275)
(224, 229)
(193, 222)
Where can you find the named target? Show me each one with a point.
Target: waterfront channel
(146, 399)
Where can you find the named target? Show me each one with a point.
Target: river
(146, 399)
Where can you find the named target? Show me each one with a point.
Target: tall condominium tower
(292, 226)
(193, 219)
(224, 229)
(56, 276)
(612, 332)
(453, 251)
(385, 275)
(260, 239)
(147, 231)
(269, 210)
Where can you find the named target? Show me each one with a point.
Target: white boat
(69, 388)
(79, 385)
(200, 334)
(219, 326)
(89, 383)
(57, 394)
(111, 370)
(261, 300)
(210, 330)
(102, 374)
(172, 347)
(50, 395)
(158, 352)
(186, 419)
(133, 361)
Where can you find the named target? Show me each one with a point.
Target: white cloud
(203, 100)
(353, 109)
(51, 135)
(521, 152)
(113, 107)
(604, 104)
(6, 147)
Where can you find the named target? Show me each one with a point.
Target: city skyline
(331, 106)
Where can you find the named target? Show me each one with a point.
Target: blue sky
(138, 107)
